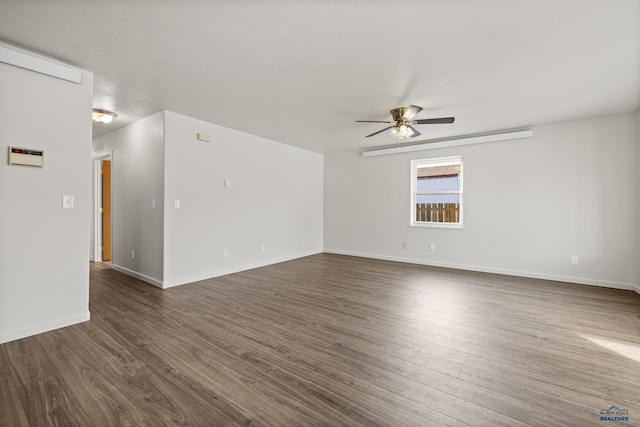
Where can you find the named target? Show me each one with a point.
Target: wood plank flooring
(331, 340)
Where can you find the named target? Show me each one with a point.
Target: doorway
(105, 210)
(102, 239)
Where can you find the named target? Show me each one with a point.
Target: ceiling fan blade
(373, 121)
(380, 131)
(415, 132)
(433, 121)
(410, 112)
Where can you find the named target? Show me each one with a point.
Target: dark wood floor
(332, 340)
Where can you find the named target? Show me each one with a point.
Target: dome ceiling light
(102, 116)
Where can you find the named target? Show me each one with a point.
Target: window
(436, 192)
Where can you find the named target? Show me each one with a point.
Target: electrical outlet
(133, 254)
(225, 253)
(304, 241)
(263, 248)
(574, 259)
(405, 245)
(432, 248)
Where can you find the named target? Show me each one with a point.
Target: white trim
(503, 271)
(44, 327)
(237, 269)
(447, 225)
(97, 224)
(40, 65)
(140, 276)
(435, 162)
(210, 275)
(449, 142)
(96, 256)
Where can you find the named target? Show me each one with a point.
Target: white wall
(44, 269)
(275, 199)
(529, 205)
(137, 171)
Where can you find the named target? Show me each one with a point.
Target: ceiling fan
(403, 122)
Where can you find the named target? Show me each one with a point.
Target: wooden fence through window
(438, 212)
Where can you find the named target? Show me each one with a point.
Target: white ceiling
(302, 72)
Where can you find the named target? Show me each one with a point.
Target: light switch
(227, 183)
(67, 202)
(176, 204)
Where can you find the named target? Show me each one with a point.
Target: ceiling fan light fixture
(405, 131)
(102, 116)
(401, 132)
(403, 121)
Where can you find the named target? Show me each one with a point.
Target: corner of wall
(637, 197)
(56, 293)
(245, 201)
(137, 196)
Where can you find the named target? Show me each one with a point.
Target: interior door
(106, 210)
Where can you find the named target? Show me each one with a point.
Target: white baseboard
(44, 327)
(507, 272)
(236, 269)
(143, 277)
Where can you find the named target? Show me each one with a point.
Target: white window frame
(440, 161)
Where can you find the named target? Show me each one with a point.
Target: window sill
(450, 226)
